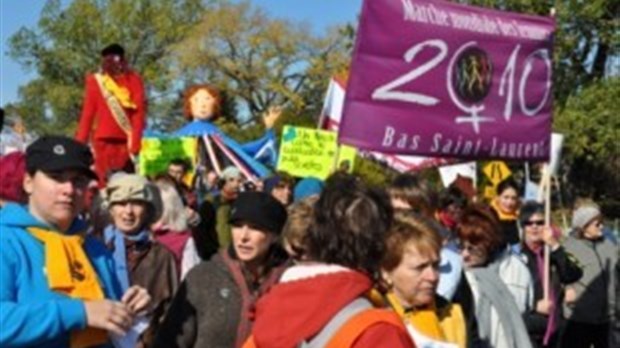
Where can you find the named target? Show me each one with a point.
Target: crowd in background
(286, 261)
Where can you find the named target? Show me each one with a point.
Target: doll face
(202, 105)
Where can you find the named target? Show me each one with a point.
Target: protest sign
(331, 115)
(156, 153)
(442, 79)
(309, 152)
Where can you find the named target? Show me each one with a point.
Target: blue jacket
(30, 313)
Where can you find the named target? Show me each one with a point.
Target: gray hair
(174, 215)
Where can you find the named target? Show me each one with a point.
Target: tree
(587, 41)
(66, 43)
(258, 60)
(591, 125)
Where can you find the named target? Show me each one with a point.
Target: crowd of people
(337, 263)
(92, 254)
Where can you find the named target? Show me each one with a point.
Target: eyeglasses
(534, 222)
(470, 248)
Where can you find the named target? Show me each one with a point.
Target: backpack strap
(355, 327)
(336, 322)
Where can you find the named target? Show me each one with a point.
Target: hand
(108, 315)
(544, 306)
(570, 295)
(549, 237)
(136, 299)
(271, 116)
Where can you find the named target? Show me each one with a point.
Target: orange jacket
(95, 111)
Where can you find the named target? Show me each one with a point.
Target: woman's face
(251, 243)
(129, 216)
(473, 255)
(508, 200)
(593, 230)
(202, 105)
(533, 229)
(415, 279)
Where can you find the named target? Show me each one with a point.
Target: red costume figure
(114, 102)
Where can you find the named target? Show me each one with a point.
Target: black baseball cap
(259, 209)
(53, 153)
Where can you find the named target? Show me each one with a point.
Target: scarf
(126, 251)
(119, 92)
(424, 320)
(70, 272)
(494, 295)
(503, 216)
(540, 267)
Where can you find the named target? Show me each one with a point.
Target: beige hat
(133, 187)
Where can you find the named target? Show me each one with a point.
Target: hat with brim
(132, 187)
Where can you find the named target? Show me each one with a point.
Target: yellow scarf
(120, 93)
(424, 321)
(503, 216)
(70, 272)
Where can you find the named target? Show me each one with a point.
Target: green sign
(156, 153)
(310, 152)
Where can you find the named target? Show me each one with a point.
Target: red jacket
(296, 310)
(95, 110)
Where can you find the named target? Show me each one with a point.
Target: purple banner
(434, 78)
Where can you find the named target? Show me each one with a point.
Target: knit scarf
(121, 93)
(503, 215)
(540, 266)
(423, 320)
(70, 272)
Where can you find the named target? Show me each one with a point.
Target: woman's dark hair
(350, 220)
(528, 209)
(452, 195)
(413, 190)
(507, 183)
(205, 234)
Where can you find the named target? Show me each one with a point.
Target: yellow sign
(496, 171)
(310, 152)
(156, 153)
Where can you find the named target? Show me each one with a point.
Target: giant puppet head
(201, 102)
(113, 60)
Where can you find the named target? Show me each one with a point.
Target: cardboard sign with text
(308, 152)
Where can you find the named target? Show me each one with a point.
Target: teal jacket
(30, 313)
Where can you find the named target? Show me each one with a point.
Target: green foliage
(591, 125)
(260, 61)
(66, 43)
(587, 41)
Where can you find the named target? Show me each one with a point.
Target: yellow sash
(121, 93)
(70, 272)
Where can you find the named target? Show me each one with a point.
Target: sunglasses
(534, 222)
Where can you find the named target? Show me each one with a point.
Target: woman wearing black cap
(213, 306)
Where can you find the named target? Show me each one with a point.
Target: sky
(14, 14)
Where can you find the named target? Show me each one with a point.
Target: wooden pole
(546, 183)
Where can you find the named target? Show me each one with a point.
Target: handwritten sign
(156, 153)
(435, 78)
(309, 152)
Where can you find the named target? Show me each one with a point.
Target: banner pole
(547, 197)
